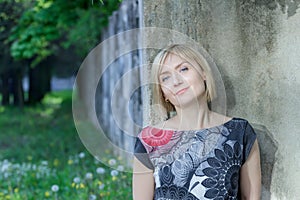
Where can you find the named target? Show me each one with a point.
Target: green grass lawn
(42, 157)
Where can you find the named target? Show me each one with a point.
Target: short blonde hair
(190, 55)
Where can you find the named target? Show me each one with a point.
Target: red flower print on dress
(155, 136)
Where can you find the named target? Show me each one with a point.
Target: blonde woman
(198, 153)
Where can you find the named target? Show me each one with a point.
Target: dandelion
(101, 186)
(114, 173)
(16, 190)
(56, 162)
(120, 168)
(44, 162)
(102, 194)
(100, 170)
(54, 188)
(92, 197)
(112, 162)
(70, 162)
(89, 176)
(5, 165)
(47, 194)
(76, 180)
(76, 160)
(81, 155)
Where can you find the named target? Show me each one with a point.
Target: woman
(198, 153)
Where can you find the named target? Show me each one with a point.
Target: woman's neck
(193, 116)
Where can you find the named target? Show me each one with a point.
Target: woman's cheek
(166, 91)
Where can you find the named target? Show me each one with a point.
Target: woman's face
(181, 82)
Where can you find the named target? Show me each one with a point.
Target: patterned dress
(196, 164)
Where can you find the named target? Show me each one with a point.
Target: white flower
(89, 175)
(76, 180)
(44, 162)
(6, 175)
(92, 197)
(112, 162)
(81, 155)
(120, 168)
(5, 165)
(100, 170)
(114, 173)
(76, 161)
(101, 186)
(54, 188)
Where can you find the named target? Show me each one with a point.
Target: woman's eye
(184, 69)
(165, 78)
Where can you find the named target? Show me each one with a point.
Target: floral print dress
(196, 164)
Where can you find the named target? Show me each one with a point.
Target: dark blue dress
(196, 164)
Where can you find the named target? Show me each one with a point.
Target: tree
(10, 72)
(48, 25)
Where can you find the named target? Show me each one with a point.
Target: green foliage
(40, 149)
(86, 32)
(42, 27)
(34, 33)
(10, 11)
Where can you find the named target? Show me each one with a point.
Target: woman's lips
(181, 91)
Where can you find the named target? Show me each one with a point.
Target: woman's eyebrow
(176, 67)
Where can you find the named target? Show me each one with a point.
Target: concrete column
(256, 46)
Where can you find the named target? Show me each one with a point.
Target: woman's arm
(251, 175)
(142, 182)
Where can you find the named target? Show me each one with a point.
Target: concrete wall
(256, 46)
(107, 103)
(113, 92)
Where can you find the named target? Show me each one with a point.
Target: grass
(42, 157)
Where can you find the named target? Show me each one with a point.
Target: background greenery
(39, 38)
(41, 155)
(40, 149)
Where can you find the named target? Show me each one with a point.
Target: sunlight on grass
(2, 109)
(52, 100)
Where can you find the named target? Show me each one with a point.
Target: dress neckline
(166, 129)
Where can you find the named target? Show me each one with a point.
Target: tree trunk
(5, 88)
(18, 91)
(39, 82)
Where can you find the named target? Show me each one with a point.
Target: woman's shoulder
(238, 120)
(241, 126)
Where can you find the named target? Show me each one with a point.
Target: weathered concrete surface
(104, 85)
(256, 45)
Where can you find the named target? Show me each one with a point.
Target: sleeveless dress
(196, 164)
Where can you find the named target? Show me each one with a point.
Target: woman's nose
(177, 79)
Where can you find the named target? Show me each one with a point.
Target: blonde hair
(190, 55)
